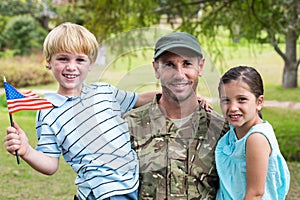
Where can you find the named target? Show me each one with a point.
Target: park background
(126, 50)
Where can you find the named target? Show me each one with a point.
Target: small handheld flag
(17, 101)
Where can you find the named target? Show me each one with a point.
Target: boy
(85, 125)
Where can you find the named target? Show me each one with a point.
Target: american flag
(17, 101)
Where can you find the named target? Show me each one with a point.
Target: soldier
(174, 137)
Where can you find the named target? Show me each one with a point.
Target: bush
(25, 71)
(3, 21)
(22, 34)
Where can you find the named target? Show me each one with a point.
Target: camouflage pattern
(175, 163)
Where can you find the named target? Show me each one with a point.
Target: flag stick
(16, 151)
(12, 124)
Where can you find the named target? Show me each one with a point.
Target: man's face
(178, 74)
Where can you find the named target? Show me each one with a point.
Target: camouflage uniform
(175, 163)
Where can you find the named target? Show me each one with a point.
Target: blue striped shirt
(90, 133)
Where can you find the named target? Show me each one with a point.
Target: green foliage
(41, 11)
(8, 53)
(16, 7)
(106, 18)
(247, 19)
(3, 101)
(23, 34)
(71, 12)
(3, 21)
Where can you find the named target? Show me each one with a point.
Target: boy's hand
(16, 139)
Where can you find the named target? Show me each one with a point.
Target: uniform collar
(198, 122)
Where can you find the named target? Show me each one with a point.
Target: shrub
(23, 34)
(25, 71)
(3, 21)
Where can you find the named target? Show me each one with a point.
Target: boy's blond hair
(71, 38)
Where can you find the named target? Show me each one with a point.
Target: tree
(260, 21)
(40, 10)
(23, 34)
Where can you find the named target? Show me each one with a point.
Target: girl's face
(70, 70)
(240, 106)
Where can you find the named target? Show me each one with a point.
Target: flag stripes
(17, 101)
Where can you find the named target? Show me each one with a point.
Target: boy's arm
(144, 98)
(16, 139)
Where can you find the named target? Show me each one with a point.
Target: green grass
(276, 92)
(22, 182)
(286, 128)
(294, 193)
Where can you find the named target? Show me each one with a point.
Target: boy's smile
(70, 70)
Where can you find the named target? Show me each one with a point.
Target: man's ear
(201, 64)
(156, 69)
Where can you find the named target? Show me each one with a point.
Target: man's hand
(204, 104)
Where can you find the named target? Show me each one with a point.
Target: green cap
(176, 40)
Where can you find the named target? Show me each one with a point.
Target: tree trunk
(290, 72)
(290, 76)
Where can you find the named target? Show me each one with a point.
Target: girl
(248, 158)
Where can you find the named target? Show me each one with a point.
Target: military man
(174, 137)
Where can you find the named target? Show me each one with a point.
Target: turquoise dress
(231, 166)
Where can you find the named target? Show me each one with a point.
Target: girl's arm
(16, 139)
(258, 151)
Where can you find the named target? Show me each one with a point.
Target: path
(282, 104)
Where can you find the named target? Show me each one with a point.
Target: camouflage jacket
(175, 163)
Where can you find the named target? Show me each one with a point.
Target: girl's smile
(240, 106)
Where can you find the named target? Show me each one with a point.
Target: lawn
(22, 182)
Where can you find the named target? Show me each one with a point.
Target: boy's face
(70, 71)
